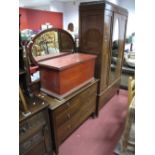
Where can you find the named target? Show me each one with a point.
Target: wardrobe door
(106, 49)
(91, 29)
(91, 32)
(117, 50)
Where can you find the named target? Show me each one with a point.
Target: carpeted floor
(99, 136)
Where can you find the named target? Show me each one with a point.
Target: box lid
(66, 61)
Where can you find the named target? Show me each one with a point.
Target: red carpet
(99, 136)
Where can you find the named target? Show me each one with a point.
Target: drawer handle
(68, 104)
(69, 116)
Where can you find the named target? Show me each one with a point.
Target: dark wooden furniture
(34, 130)
(68, 114)
(102, 32)
(63, 75)
(34, 127)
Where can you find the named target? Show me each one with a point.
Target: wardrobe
(102, 31)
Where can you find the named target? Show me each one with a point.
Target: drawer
(71, 124)
(67, 110)
(27, 145)
(67, 106)
(32, 125)
(67, 115)
(89, 106)
(73, 106)
(92, 91)
(76, 101)
(85, 111)
(71, 114)
(64, 131)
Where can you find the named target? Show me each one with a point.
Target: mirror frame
(31, 42)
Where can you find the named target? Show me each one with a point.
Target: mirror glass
(44, 45)
(50, 43)
(114, 52)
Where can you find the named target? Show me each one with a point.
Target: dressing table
(69, 111)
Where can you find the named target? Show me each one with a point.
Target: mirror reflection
(46, 43)
(115, 51)
(50, 43)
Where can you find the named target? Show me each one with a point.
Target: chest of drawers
(35, 132)
(68, 114)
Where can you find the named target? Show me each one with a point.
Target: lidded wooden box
(63, 75)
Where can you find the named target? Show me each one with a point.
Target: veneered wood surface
(60, 82)
(72, 112)
(66, 61)
(96, 28)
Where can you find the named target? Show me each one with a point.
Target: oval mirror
(50, 43)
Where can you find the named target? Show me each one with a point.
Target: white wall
(33, 3)
(130, 6)
(71, 12)
(56, 6)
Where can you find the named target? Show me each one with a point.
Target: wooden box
(63, 75)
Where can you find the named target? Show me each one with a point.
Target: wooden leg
(56, 152)
(117, 91)
(97, 108)
(93, 115)
(97, 113)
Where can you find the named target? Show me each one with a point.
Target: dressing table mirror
(48, 44)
